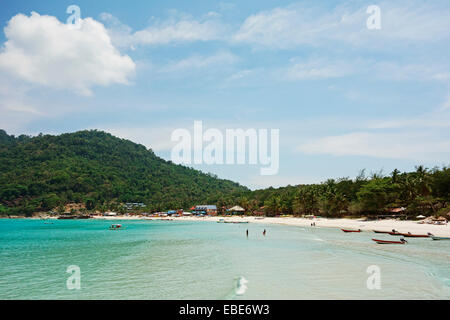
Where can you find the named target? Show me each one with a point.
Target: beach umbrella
(420, 217)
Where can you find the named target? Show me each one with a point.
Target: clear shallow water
(207, 260)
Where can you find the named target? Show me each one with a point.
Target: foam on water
(241, 286)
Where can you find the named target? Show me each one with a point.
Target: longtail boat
(116, 227)
(348, 230)
(410, 235)
(377, 231)
(402, 241)
(440, 238)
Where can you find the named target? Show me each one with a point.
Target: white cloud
(179, 28)
(446, 104)
(434, 120)
(42, 50)
(318, 69)
(16, 109)
(413, 146)
(297, 25)
(419, 71)
(218, 59)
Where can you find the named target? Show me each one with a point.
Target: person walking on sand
(264, 232)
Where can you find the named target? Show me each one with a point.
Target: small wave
(241, 286)
(318, 239)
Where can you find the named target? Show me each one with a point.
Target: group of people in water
(264, 233)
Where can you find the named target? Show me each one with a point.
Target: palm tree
(394, 175)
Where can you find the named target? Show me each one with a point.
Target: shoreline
(382, 225)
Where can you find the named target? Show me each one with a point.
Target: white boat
(440, 238)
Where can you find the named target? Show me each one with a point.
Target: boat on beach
(349, 230)
(402, 241)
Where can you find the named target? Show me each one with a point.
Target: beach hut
(236, 210)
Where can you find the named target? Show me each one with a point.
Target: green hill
(97, 169)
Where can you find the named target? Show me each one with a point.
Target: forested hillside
(96, 169)
(424, 191)
(101, 171)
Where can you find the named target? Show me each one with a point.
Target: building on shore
(205, 209)
(134, 205)
(110, 214)
(236, 210)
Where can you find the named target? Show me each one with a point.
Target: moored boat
(235, 222)
(440, 238)
(402, 241)
(410, 235)
(349, 230)
(115, 227)
(378, 231)
(395, 233)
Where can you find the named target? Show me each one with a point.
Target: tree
(375, 195)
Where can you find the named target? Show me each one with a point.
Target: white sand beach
(382, 225)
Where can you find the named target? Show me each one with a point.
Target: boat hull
(388, 242)
(440, 238)
(347, 231)
(409, 235)
(396, 234)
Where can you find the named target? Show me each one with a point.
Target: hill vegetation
(99, 170)
(422, 192)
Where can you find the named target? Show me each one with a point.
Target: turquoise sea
(208, 260)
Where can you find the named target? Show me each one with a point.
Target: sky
(343, 97)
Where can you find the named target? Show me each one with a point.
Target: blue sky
(344, 97)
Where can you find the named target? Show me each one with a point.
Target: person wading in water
(264, 232)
